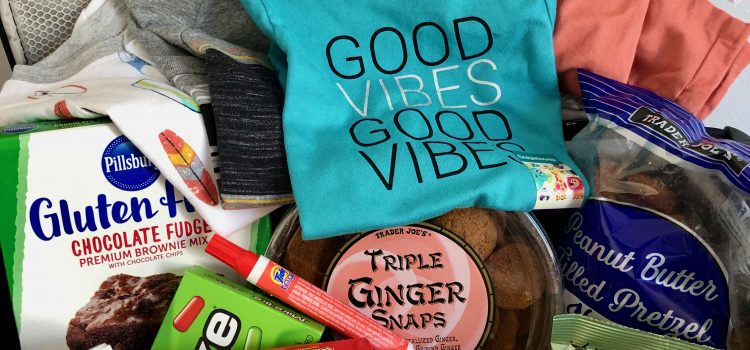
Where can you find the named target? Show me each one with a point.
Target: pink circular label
(418, 281)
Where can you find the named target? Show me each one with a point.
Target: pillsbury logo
(125, 167)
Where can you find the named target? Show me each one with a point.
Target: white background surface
(734, 110)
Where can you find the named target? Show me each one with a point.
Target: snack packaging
(212, 312)
(663, 245)
(471, 278)
(575, 332)
(349, 344)
(302, 295)
(89, 224)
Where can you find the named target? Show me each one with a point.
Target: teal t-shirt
(399, 111)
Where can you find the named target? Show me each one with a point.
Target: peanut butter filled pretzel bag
(663, 245)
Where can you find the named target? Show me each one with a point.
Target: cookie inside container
(520, 278)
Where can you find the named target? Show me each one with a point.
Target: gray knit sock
(247, 104)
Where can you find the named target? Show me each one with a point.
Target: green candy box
(209, 312)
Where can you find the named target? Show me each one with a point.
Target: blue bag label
(672, 131)
(637, 268)
(664, 124)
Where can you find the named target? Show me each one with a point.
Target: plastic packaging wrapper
(663, 245)
(524, 289)
(575, 332)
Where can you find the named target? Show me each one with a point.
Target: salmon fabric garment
(688, 51)
(600, 36)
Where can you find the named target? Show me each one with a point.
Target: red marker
(304, 296)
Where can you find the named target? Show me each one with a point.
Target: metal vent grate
(43, 25)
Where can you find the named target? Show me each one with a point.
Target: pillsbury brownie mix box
(94, 240)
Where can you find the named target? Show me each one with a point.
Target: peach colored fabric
(598, 35)
(688, 51)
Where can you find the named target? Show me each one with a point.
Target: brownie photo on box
(125, 312)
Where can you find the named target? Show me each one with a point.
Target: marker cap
(231, 254)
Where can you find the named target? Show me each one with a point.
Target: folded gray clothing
(101, 35)
(105, 32)
(191, 27)
(175, 36)
(195, 26)
(245, 97)
(180, 66)
(247, 105)
(250, 154)
(190, 23)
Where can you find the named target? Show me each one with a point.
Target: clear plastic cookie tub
(470, 279)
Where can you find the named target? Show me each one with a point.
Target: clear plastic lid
(508, 254)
